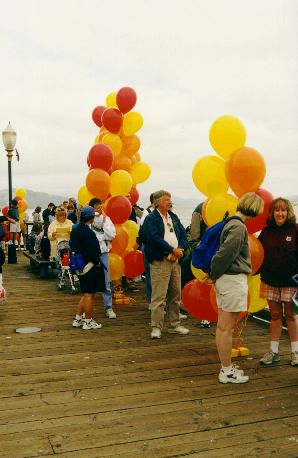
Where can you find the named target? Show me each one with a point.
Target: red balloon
(88, 162)
(134, 195)
(17, 198)
(126, 99)
(112, 120)
(134, 264)
(100, 157)
(214, 303)
(196, 300)
(118, 209)
(97, 114)
(256, 253)
(5, 210)
(259, 222)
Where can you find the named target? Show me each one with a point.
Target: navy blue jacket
(153, 231)
(83, 240)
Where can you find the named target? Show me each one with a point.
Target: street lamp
(9, 137)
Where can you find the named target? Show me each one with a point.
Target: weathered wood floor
(115, 393)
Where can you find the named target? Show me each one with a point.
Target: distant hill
(33, 198)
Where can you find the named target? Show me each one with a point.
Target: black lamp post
(9, 140)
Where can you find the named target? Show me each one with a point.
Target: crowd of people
(88, 233)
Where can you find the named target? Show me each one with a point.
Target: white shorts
(231, 292)
(15, 227)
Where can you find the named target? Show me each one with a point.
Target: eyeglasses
(170, 227)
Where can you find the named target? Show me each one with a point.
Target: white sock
(227, 369)
(78, 317)
(294, 346)
(88, 320)
(274, 346)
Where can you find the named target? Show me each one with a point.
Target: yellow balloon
(132, 122)
(120, 183)
(198, 273)
(209, 176)
(96, 140)
(256, 302)
(84, 195)
(111, 100)
(140, 172)
(21, 192)
(226, 135)
(132, 230)
(116, 266)
(218, 205)
(114, 142)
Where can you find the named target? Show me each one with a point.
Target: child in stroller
(64, 272)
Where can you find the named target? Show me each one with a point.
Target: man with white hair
(165, 242)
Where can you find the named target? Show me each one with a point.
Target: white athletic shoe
(91, 325)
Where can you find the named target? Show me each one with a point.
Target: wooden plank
(117, 393)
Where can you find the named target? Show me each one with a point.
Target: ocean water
(184, 213)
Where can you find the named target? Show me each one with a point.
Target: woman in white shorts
(230, 267)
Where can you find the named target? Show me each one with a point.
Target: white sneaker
(77, 323)
(234, 376)
(110, 313)
(155, 333)
(91, 325)
(294, 358)
(179, 330)
(182, 316)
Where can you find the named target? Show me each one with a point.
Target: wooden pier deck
(115, 393)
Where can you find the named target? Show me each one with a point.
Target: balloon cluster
(115, 169)
(243, 169)
(22, 204)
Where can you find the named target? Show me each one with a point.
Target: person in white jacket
(105, 232)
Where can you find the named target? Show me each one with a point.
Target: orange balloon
(120, 241)
(22, 205)
(121, 163)
(256, 253)
(133, 159)
(204, 211)
(130, 145)
(137, 156)
(98, 183)
(127, 251)
(245, 170)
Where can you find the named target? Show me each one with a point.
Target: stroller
(64, 273)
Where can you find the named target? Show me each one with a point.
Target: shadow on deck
(115, 393)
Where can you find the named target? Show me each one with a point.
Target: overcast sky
(189, 63)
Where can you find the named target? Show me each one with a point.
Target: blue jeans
(106, 295)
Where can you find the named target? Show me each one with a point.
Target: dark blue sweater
(153, 231)
(83, 240)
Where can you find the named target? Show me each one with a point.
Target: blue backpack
(203, 253)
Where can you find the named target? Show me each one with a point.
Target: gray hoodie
(233, 256)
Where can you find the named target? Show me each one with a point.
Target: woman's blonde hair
(291, 217)
(250, 204)
(59, 212)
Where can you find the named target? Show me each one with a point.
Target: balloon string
(239, 330)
